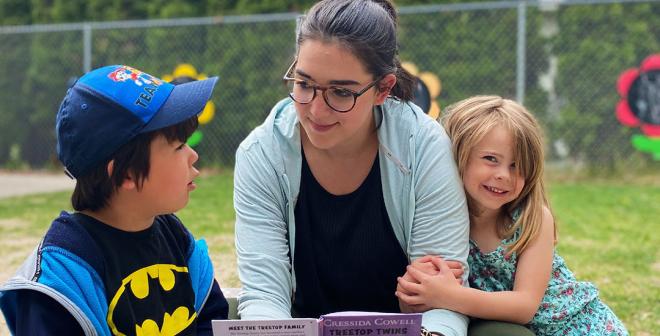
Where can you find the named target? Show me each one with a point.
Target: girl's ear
(383, 88)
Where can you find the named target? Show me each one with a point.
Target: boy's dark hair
(94, 189)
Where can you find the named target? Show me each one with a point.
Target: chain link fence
(562, 58)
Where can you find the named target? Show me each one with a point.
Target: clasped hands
(428, 283)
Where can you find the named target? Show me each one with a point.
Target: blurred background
(588, 69)
(562, 59)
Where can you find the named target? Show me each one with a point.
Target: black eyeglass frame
(287, 78)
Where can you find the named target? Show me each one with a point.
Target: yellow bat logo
(138, 283)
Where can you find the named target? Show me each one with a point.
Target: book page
(287, 327)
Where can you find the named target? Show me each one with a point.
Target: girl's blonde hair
(467, 122)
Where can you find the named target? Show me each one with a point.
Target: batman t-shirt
(147, 284)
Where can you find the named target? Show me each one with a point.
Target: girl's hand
(428, 290)
(426, 265)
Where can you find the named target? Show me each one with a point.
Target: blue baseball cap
(109, 106)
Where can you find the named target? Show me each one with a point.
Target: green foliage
(15, 12)
(595, 44)
(14, 116)
(473, 52)
(250, 86)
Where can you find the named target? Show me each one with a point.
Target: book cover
(368, 323)
(335, 324)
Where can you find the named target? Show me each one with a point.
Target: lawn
(607, 235)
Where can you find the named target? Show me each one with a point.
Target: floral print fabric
(569, 307)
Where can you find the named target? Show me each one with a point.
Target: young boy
(122, 263)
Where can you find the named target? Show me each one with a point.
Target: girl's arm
(518, 305)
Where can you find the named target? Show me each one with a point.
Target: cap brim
(185, 101)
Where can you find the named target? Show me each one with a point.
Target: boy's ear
(384, 87)
(129, 181)
(110, 168)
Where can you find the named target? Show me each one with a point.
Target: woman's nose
(318, 106)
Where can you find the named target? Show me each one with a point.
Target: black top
(347, 256)
(145, 272)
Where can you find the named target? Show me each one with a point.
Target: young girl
(515, 273)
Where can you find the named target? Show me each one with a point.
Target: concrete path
(17, 184)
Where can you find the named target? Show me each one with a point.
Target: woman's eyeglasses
(338, 98)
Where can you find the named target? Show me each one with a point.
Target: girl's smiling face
(492, 178)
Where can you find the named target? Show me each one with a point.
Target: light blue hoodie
(422, 191)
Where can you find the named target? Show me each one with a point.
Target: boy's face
(171, 175)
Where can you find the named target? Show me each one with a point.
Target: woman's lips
(321, 128)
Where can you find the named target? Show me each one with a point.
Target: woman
(345, 182)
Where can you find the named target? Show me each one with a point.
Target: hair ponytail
(405, 83)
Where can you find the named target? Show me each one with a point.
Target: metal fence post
(520, 52)
(87, 47)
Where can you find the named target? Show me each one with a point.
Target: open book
(335, 324)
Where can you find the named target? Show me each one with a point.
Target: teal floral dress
(569, 307)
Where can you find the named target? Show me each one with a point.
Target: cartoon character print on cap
(140, 78)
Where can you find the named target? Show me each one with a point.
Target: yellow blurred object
(432, 82)
(185, 70)
(410, 67)
(207, 113)
(434, 111)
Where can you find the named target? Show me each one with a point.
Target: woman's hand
(418, 290)
(425, 265)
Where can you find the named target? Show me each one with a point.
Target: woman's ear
(384, 87)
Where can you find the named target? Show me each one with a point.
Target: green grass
(607, 235)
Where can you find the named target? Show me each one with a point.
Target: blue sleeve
(261, 237)
(441, 221)
(215, 308)
(40, 315)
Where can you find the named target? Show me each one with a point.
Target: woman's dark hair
(93, 190)
(365, 27)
